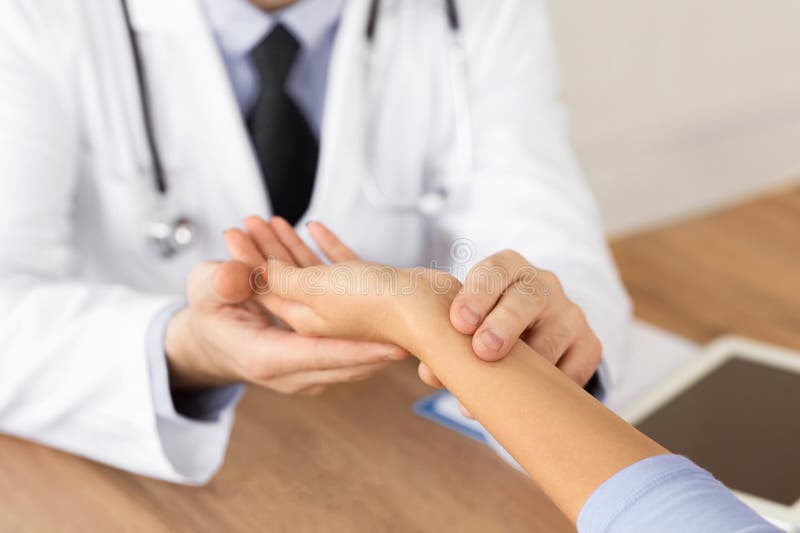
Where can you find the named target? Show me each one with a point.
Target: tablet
(735, 411)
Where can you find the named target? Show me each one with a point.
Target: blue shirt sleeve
(667, 494)
(203, 405)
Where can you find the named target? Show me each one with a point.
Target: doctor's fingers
(265, 239)
(330, 244)
(518, 308)
(315, 381)
(212, 284)
(483, 286)
(278, 352)
(554, 335)
(302, 254)
(428, 377)
(582, 359)
(242, 248)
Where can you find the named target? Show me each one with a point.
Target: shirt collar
(239, 25)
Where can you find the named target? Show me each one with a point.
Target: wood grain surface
(736, 271)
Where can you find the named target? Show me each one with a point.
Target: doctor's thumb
(220, 283)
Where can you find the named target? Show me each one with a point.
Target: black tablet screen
(742, 424)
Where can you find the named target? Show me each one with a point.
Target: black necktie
(286, 147)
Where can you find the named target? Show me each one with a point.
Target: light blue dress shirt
(238, 26)
(667, 494)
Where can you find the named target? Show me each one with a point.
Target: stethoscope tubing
(451, 11)
(433, 202)
(157, 168)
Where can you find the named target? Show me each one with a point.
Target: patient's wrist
(422, 315)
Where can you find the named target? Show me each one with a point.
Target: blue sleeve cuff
(598, 384)
(667, 493)
(203, 405)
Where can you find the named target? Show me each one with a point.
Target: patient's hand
(348, 278)
(357, 299)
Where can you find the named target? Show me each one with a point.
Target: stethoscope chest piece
(170, 235)
(432, 204)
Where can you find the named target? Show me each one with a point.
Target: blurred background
(678, 106)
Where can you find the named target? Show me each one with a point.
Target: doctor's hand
(224, 335)
(504, 298)
(354, 360)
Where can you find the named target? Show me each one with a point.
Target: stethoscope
(434, 201)
(170, 233)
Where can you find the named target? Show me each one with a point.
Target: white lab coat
(78, 285)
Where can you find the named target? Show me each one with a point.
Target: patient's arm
(564, 438)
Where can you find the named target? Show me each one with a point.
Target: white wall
(679, 106)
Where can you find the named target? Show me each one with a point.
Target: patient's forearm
(564, 438)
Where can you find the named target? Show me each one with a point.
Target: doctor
(133, 133)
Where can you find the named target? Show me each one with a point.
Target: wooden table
(356, 459)
(737, 271)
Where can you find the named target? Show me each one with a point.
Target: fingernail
(469, 314)
(492, 339)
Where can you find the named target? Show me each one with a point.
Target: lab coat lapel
(228, 177)
(162, 17)
(342, 161)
